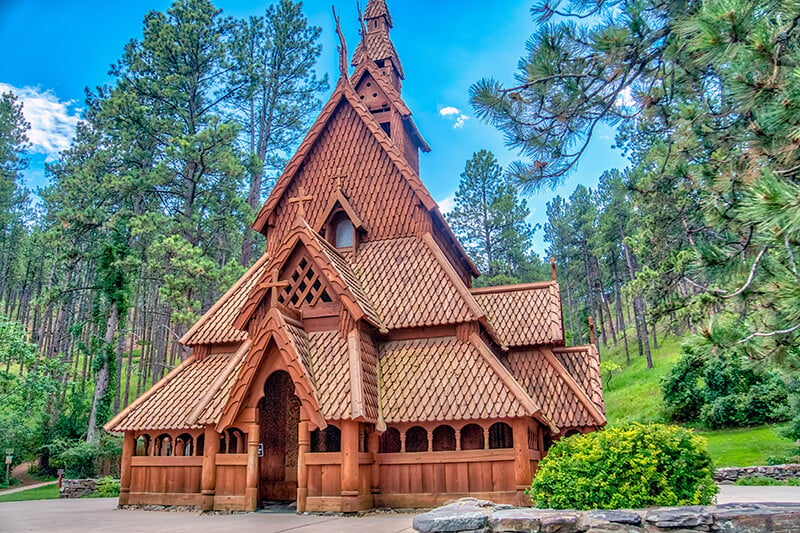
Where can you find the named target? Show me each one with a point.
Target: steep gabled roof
(376, 9)
(291, 342)
(524, 315)
(333, 266)
(562, 398)
(170, 403)
(441, 379)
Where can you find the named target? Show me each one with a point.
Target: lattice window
(305, 287)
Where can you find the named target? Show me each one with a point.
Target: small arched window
(444, 439)
(390, 441)
(501, 436)
(472, 437)
(142, 447)
(233, 440)
(184, 445)
(417, 439)
(345, 233)
(163, 446)
(328, 440)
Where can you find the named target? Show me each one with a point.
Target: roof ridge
(452, 275)
(217, 384)
(587, 402)
(517, 287)
(509, 380)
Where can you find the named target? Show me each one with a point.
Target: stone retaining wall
(77, 488)
(477, 516)
(778, 472)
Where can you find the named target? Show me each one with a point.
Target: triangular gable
(345, 94)
(368, 68)
(339, 199)
(331, 265)
(289, 339)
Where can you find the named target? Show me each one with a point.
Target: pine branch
(725, 296)
(770, 334)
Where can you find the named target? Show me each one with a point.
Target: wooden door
(280, 416)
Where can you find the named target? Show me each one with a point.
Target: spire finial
(342, 44)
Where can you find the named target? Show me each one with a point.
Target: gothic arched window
(345, 233)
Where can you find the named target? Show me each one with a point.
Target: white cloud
(625, 98)
(52, 121)
(454, 114)
(448, 204)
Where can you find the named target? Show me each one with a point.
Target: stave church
(354, 366)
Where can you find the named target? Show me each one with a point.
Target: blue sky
(53, 49)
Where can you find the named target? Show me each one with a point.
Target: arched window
(329, 440)
(233, 440)
(472, 437)
(142, 447)
(572, 433)
(201, 441)
(163, 446)
(444, 439)
(501, 436)
(184, 445)
(417, 439)
(390, 441)
(345, 233)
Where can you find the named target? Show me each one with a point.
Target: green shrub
(724, 390)
(626, 467)
(107, 487)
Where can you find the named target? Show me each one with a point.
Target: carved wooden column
(522, 455)
(303, 447)
(251, 492)
(373, 447)
(128, 449)
(209, 479)
(350, 482)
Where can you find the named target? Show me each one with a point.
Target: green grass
(747, 446)
(50, 492)
(633, 394)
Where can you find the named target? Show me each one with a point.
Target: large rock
(679, 517)
(515, 520)
(465, 515)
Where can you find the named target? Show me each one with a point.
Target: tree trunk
(104, 376)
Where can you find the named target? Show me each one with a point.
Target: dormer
(341, 225)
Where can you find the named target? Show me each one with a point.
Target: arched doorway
(280, 415)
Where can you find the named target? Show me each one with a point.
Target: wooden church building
(354, 366)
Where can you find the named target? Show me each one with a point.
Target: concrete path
(27, 487)
(101, 515)
(737, 494)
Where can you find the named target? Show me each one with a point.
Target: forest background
(145, 221)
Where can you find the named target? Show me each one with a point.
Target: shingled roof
(448, 379)
(562, 399)
(524, 315)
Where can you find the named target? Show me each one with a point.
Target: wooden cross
(301, 200)
(271, 284)
(340, 177)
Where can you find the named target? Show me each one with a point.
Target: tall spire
(376, 46)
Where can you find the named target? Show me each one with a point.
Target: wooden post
(251, 492)
(374, 444)
(350, 467)
(128, 449)
(209, 479)
(522, 455)
(303, 447)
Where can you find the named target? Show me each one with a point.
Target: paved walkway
(101, 515)
(27, 487)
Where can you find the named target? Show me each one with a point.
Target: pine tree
(490, 220)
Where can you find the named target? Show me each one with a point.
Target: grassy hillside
(633, 394)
